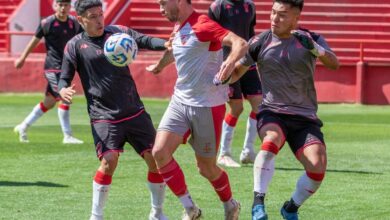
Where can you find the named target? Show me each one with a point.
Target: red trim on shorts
(231, 120)
(252, 115)
(300, 150)
(315, 176)
(64, 107)
(42, 107)
(270, 147)
(102, 179)
(102, 154)
(120, 120)
(252, 95)
(218, 113)
(186, 135)
(155, 177)
(53, 71)
(253, 67)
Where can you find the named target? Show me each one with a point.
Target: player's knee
(159, 154)
(208, 172)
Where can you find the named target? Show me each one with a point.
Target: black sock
(290, 206)
(258, 198)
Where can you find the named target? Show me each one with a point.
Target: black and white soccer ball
(120, 49)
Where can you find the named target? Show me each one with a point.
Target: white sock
(305, 188)
(186, 201)
(63, 116)
(34, 115)
(157, 194)
(226, 139)
(251, 134)
(263, 170)
(100, 195)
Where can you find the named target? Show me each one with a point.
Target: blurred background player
(57, 29)
(238, 16)
(116, 111)
(286, 57)
(197, 107)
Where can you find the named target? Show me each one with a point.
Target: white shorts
(203, 123)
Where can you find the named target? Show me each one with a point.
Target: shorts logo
(207, 148)
(99, 147)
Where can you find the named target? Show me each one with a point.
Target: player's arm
(239, 70)
(68, 69)
(147, 42)
(320, 49)
(238, 49)
(164, 61)
(30, 47)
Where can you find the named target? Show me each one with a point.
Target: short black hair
(82, 5)
(65, 1)
(292, 3)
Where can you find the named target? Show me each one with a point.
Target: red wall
(332, 86)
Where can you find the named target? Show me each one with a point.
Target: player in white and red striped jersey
(197, 107)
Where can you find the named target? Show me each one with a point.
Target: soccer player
(197, 106)
(286, 57)
(57, 29)
(238, 16)
(117, 114)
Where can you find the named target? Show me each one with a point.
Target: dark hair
(65, 1)
(189, 1)
(82, 5)
(292, 3)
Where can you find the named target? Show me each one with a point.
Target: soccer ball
(120, 49)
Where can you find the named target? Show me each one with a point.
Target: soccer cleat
(288, 215)
(192, 213)
(68, 139)
(258, 213)
(247, 157)
(22, 134)
(96, 217)
(232, 214)
(227, 161)
(157, 214)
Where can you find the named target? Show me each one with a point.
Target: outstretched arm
(30, 47)
(164, 61)
(238, 49)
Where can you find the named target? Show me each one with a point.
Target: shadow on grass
(329, 170)
(333, 171)
(38, 183)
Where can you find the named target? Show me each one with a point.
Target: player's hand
(67, 93)
(153, 69)
(224, 75)
(307, 42)
(19, 63)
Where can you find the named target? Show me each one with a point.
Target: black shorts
(138, 131)
(53, 79)
(248, 85)
(299, 131)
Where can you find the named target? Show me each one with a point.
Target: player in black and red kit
(238, 16)
(57, 29)
(117, 114)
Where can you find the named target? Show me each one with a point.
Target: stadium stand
(357, 30)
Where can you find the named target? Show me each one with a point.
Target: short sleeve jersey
(238, 16)
(287, 74)
(56, 33)
(110, 90)
(197, 48)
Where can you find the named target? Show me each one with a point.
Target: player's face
(62, 9)
(284, 18)
(93, 21)
(169, 9)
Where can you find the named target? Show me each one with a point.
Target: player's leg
(251, 89)
(309, 148)
(206, 127)
(141, 135)
(171, 133)
(229, 125)
(63, 109)
(109, 140)
(272, 134)
(37, 112)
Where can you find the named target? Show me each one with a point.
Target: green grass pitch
(45, 179)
